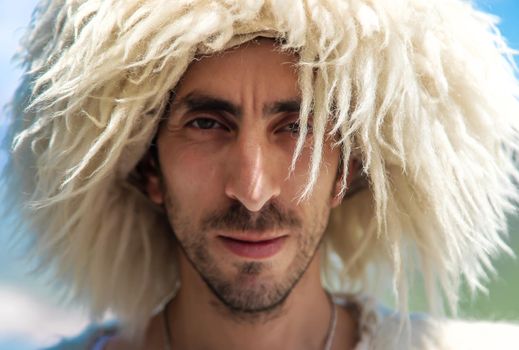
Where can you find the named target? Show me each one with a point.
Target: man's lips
(253, 247)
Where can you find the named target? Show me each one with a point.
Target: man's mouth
(254, 248)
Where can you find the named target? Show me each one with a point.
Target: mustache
(238, 218)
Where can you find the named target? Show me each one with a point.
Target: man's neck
(198, 320)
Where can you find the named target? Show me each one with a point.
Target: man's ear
(353, 169)
(149, 171)
(154, 189)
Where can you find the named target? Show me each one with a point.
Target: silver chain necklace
(327, 345)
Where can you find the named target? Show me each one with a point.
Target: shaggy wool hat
(421, 92)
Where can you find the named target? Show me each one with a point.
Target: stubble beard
(246, 295)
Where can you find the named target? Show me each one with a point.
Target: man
(199, 168)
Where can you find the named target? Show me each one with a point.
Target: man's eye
(294, 128)
(205, 124)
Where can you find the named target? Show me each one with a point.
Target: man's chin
(253, 292)
(246, 287)
(251, 298)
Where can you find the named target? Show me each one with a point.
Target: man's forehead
(250, 47)
(258, 68)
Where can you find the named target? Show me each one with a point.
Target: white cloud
(23, 316)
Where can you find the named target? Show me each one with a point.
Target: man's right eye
(205, 124)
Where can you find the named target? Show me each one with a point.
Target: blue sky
(15, 14)
(508, 11)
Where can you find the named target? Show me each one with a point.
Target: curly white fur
(422, 92)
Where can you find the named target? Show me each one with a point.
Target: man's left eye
(295, 128)
(205, 124)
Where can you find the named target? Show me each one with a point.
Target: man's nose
(253, 173)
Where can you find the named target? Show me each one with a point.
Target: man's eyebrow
(195, 101)
(285, 106)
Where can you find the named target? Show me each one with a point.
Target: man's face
(224, 157)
